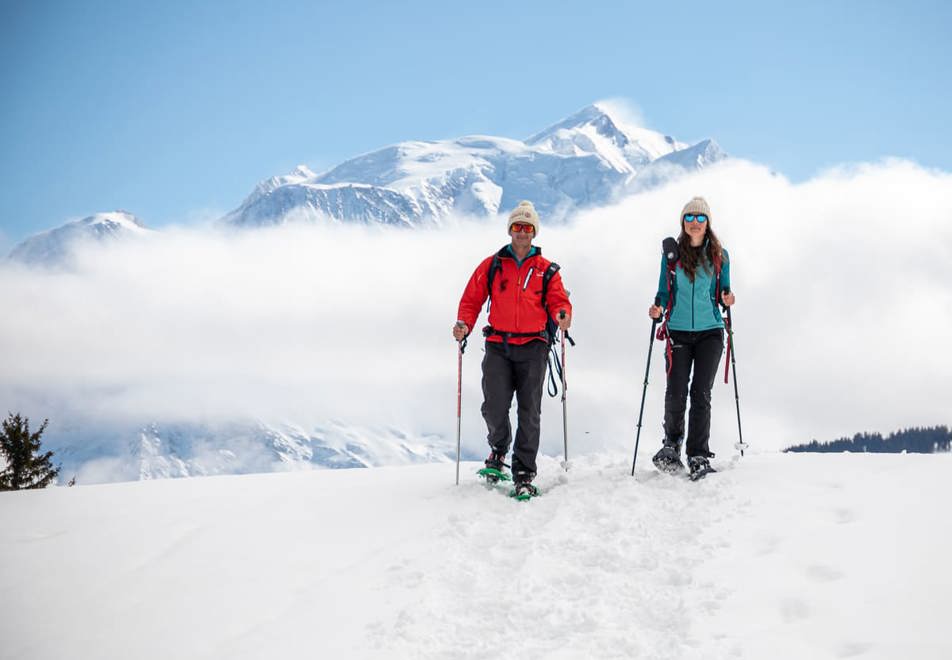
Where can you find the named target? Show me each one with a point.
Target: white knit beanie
(525, 213)
(695, 206)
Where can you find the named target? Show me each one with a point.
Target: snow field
(777, 555)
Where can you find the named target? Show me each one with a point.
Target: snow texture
(776, 556)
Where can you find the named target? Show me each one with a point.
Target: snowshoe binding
(493, 472)
(699, 467)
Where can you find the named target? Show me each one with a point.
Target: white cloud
(843, 309)
(626, 110)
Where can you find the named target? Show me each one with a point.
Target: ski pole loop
(568, 337)
(555, 367)
(555, 363)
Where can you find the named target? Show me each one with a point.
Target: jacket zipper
(693, 287)
(518, 292)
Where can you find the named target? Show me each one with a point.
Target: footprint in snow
(844, 516)
(793, 610)
(852, 649)
(822, 573)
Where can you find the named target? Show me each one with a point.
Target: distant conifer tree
(25, 466)
(915, 440)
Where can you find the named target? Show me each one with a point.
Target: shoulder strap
(671, 278)
(717, 280)
(496, 265)
(546, 278)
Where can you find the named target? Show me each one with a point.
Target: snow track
(599, 566)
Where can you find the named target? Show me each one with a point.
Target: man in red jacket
(517, 343)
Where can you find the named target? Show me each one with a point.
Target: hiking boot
(668, 458)
(496, 461)
(524, 490)
(523, 477)
(699, 466)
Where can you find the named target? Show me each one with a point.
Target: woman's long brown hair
(691, 256)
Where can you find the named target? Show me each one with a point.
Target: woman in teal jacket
(689, 289)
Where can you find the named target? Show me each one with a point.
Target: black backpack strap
(717, 282)
(546, 278)
(494, 267)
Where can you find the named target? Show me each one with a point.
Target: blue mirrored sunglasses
(691, 217)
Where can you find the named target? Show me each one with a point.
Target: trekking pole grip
(462, 342)
(565, 333)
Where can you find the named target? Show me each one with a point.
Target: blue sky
(174, 110)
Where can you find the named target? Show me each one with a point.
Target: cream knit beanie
(695, 206)
(525, 213)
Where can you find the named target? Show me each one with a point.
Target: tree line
(918, 440)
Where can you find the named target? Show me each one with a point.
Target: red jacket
(516, 303)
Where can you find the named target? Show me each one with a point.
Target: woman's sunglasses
(691, 217)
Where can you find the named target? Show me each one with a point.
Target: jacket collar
(505, 252)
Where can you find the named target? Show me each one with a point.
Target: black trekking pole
(741, 445)
(461, 346)
(644, 389)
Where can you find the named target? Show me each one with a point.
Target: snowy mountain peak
(301, 174)
(595, 115)
(303, 171)
(55, 246)
(600, 130)
(584, 160)
(114, 221)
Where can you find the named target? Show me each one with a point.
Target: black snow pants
(702, 350)
(521, 370)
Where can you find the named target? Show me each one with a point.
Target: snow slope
(777, 556)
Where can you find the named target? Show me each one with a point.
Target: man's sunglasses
(521, 226)
(691, 217)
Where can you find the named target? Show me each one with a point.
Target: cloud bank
(844, 306)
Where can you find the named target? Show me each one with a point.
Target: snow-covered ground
(777, 556)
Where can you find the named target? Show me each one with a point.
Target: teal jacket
(695, 307)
